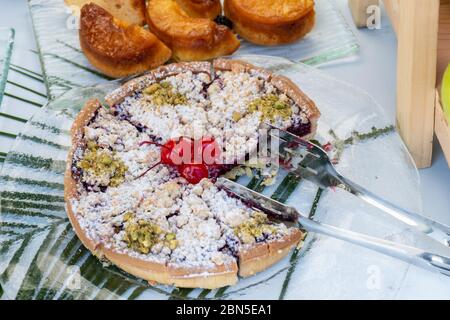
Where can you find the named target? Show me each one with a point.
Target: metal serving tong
(278, 210)
(312, 163)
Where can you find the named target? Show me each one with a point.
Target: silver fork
(312, 163)
(415, 256)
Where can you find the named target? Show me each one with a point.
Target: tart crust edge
(261, 256)
(158, 74)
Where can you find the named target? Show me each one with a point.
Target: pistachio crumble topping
(254, 228)
(163, 94)
(142, 235)
(271, 107)
(102, 166)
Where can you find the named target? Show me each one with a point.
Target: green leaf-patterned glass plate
(41, 258)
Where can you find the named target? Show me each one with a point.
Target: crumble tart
(158, 226)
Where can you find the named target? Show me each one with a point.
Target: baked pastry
(116, 48)
(271, 22)
(129, 11)
(209, 9)
(157, 225)
(191, 39)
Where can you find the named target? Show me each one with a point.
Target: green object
(445, 93)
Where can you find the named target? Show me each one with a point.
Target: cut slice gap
(261, 256)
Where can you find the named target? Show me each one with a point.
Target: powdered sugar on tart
(157, 225)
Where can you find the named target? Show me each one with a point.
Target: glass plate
(41, 257)
(65, 66)
(6, 47)
(24, 93)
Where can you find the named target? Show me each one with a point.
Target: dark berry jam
(217, 170)
(231, 246)
(224, 21)
(300, 129)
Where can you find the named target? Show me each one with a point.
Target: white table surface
(374, 70)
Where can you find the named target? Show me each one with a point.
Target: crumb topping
(159, 216)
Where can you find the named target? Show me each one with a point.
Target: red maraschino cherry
(193, 173)
(166, 152)
(183, 155)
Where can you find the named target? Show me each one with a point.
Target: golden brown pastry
(271, 22)
(116, 48)
(189, 38)
(209, 9)
(129, 11)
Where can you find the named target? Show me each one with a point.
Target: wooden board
(392, 7)
(417, 33)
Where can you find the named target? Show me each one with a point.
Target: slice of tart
(190, 38)
(116, 48)
(142, 214)
(271, 22)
